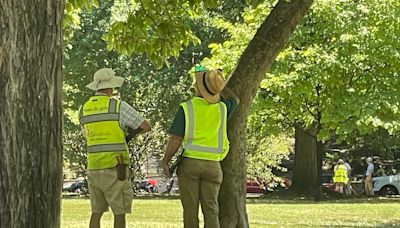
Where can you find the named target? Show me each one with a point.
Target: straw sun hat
(105, 78)
(210, 84)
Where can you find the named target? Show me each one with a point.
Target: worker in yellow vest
(104, 120)
(340, 177)
(200, 125)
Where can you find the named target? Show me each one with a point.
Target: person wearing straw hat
(104, 120)
(200, 125)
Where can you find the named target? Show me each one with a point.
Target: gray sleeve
(370, 170)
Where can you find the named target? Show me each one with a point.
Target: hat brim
(114, 82)
(203, 91)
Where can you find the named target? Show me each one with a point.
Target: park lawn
(262, 213)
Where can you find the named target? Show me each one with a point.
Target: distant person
(104, 120)
(348, 188)
(201, 126)
(368, 177)
(340, 176)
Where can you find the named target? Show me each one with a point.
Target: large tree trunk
(245, 80)
(305, 173)
(30, 113)
(308, 163)
(320, 157)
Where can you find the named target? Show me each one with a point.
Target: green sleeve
(178, 125)
(231, 106)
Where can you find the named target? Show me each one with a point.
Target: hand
(166, 168)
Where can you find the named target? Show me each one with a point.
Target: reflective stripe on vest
(98, 118)
(113, 114)
(340, 174)
(105, 140)
(191, 146)
(106, 148)
(208, 143)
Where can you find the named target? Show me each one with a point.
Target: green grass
(262, 213)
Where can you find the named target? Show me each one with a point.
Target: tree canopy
(337, 71)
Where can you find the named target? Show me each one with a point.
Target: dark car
(148, 185)
(79, 187)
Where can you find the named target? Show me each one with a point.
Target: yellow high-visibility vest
(340, 174)
(105, 140)
(205, 130)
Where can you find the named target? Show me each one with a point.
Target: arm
(172, 146)
(130, 118)
(131, 133)
(227, 93)
(144, 127)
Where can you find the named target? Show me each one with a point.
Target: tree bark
(318, 187)
(244, 81)
(308, 162)
(305, 173)
(31, 112)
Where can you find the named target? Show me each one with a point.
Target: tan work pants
(368, 186)
(199, 181)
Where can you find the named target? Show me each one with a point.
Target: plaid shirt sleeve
(129, 117)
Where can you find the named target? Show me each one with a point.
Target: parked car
(387, 185)
(148, 185)
(327, 182)
(261, 187)
(79, 187)
(253, 186)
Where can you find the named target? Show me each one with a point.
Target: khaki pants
(105, 190)
(368, 186)
(199, 181)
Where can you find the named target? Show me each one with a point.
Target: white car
(387, 185)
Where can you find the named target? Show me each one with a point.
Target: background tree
(329, 82)
(332, 80)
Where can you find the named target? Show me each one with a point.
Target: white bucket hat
(105, 78)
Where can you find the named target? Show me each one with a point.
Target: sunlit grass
(262, 213)
(345, 213)
(145, 213)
